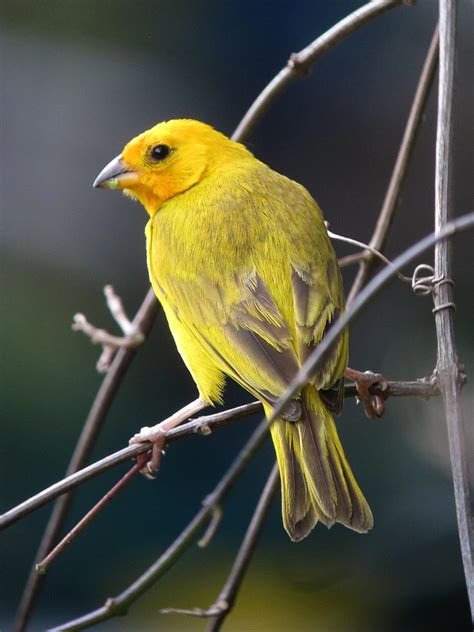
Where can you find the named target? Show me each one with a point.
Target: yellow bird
(240, 259)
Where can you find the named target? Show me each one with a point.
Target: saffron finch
(240, 259)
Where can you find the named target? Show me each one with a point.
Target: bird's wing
(242, 328)
(318, 300)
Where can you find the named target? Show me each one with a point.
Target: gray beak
(116, 175)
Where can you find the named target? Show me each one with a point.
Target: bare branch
(448, 368)
(116, 308)
(42, 567)
(115, 606)
(374, 251)
(398, 175)
(349, 260)
(300, 63)
(423, 388)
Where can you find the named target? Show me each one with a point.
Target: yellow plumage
(240, 259)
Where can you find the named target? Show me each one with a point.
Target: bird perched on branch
(240, 259)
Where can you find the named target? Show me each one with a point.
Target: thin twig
(373, 251)
(399, 171)
(132, 336)
(42, 567)
(225, 601)
(448, 368)
(349, 260)
(300, 63)
(115, 606)
(423, 388)
(90, 431)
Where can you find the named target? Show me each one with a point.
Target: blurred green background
(79, 79)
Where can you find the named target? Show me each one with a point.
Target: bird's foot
(156, 435)
(132, 336)
(374, 405)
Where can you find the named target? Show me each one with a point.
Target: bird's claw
(157, 438)
(374, 405)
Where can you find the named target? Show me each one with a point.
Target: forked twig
(448, 369)
(224, 602)
(132, 335)
(229, 591)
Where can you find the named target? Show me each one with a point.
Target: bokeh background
(79, 79)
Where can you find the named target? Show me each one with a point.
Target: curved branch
(300, 63)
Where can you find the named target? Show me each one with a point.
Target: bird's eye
(159, 152)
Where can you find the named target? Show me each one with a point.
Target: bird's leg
(374, 405)
(157, 434)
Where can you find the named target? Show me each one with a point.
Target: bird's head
(167, 160)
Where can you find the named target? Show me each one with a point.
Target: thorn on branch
(462, 375)
(214, 523)
(114, 608)
(298, 65)
(110, 344)
(202, 426)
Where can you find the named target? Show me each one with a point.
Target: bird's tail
(317, 482)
